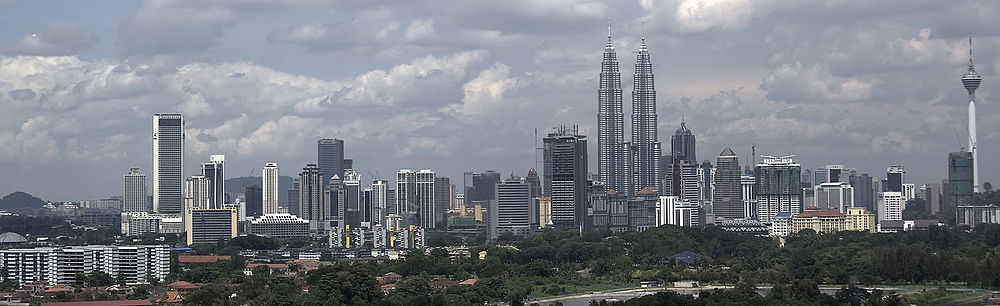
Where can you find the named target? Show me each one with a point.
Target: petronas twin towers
(627, 166)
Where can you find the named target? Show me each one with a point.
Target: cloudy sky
(460, 85)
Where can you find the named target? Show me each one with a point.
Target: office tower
(254, 196)
(366, 207)
(424, 196)
(330, 158)
(707, 180)
(642, 210)
(269, 183)
(777, 187)
(611, 152)
(683, 143)
(380, 201)
(749, 196)
(565, 154)
(335, 200)
(293, 199)
(681, 180)
(510, 213)
(946, 201)
(311, 199)
(645, 142)
(932, 194)
(406, 188)
(864, 192)
(168, 163)
(197, 190)
(442, 200)
(278, 226)
(835, 196)
(134, 197)
(961, 178)
(534, 191)
(214, 170)
(894, 178)
(390, 202)
(890, 205)
(210, 225)
(352, 189)
(728, 202)
(484, 185)
(971, 81)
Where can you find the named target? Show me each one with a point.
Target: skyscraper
(442, 202)
(728, 202)
(777, 187)
(611, 123)
(484, 185)
(168, 163)
(254, 201)
(534, 191)
(682, 143)
(864, 192)
(335, 200)
(134, 196)
(215, 171)
(565, 154)
(406, 184)
(380, 201)
(645, 142)
(960, 178)
(330, 157)
(311, 198)
(425, 195)
(352, 188)
(894, 178)
(269, 191)
(971, 81)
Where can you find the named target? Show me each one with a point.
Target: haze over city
(458, 86)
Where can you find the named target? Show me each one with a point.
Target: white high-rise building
(269, 188)
(406, 184)
(380, 201)
(168, 163)
(670, 210)
(196, 192)
(909, 192)
(138, 264)
(890, 205)
(749, 197)
(134, 198)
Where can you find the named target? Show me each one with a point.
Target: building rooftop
(11, 237)
(814, 211)
(201, 258)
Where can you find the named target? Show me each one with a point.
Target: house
(57, 289)
(441, 284)
(388, 288)
(468, 282)
(390, 277)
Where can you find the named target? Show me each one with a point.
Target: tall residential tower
(269, 184)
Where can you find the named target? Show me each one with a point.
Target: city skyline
(481, 88)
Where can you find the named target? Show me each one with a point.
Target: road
(584, 299)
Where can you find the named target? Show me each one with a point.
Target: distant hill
(237, 185)
(20, 200)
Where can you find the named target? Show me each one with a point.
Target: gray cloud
(57, 39)
(21, 94)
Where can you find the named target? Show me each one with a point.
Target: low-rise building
(819, 220)
(859, 219)
(280, 226)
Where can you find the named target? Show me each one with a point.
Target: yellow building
(821, 221)
(544, 211)
(859, 219)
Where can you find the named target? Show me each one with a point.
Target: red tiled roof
(392, 275)
(468, 282)
(442, 282)
(101, 303)
(647, 190)
(201, 258)
(182, 285)
(814, 211)
(272, 266)
(59, 288)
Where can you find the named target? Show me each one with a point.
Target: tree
(987, 186)
(98, 279)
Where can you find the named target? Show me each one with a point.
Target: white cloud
(798, 83)
(485, 93)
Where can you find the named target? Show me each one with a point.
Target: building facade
(137, 264)
(211, 225)
(859, 219)
(278, 226)
(511, 212)
(135, 197)
(168, 163)
(215, 171)
(728, 201)
(819, 220)
(645, 144)
(960, 179)
(777, 187)
(330, 158)
(890, 205)
(836, 196)
(611, 150)
(269, 187)
(565, 154)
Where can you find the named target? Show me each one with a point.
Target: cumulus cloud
(57, 39)
(485, 93)
(797, 83)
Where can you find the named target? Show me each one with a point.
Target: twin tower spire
(627, 166)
